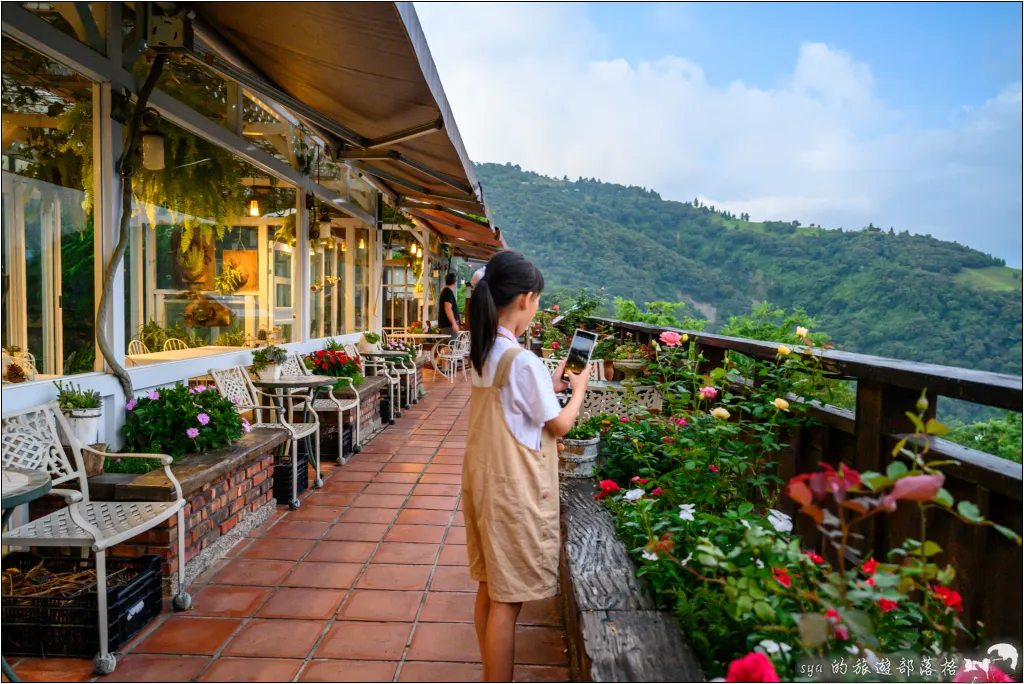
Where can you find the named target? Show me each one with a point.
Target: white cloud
(531, 84)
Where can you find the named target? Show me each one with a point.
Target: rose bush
(695, 494)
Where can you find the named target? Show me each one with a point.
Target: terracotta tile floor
(367, 581)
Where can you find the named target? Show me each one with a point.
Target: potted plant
(266, 362)
(604, 351)
(578, 450)
(83, 410)
(336, 363)
(369, 342)
(629, 358)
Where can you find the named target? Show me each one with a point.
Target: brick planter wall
(227, 492)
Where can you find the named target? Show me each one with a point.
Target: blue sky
(929, 59)
(839, 114)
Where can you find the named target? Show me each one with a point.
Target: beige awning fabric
(366, 66)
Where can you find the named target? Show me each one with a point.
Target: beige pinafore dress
(510, 501)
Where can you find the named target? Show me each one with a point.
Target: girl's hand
(557, 382)
(579, 382)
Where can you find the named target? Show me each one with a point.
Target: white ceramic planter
(271, 372)
(578, 458)
(365, 347)
(85, 424)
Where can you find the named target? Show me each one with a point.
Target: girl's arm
(562, 423)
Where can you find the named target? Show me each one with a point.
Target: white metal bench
(32, 440)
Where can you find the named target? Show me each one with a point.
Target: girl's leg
(480, 613)
(499, 650)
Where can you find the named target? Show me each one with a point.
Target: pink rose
(707, 392)
(670, 338)
(554, 345)
(713, 469)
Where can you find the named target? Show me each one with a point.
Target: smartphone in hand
(579, 353)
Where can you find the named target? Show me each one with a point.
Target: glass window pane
(48, 250)
(211, 257)
(82, 20)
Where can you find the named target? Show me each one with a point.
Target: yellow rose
(801, 331)
(720, 413)
(781, 404)
(784, 350)
(684, 338)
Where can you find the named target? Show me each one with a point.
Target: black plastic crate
(283, 475)
(329, 444)
(386, 413)
(47, 626)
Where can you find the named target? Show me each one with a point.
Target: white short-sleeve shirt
(528, 399)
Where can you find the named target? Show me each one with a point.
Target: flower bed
(696, 499)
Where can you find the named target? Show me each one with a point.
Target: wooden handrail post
(881, 411)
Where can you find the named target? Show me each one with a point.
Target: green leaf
(1007, 532)
(931, 548)
(764, 611)
(705, 559)
(934, 427)
(813, 630)
(916, 421)
(745, 507)
(895, 470)
(859, 622)
(899, 446)
(970, 511)
(944, 498)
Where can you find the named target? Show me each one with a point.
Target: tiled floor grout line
(341, 606)
(433, 570)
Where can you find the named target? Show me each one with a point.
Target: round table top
(21, 485)
(287, 381)
(386, 352)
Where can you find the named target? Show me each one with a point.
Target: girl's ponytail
(483, 324)
(507, 275)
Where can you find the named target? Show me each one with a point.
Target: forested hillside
(875, 291)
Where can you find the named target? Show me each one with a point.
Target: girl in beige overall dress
(510, 471)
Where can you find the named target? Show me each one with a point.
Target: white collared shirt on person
(528, 399)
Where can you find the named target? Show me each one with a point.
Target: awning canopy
(366, 67)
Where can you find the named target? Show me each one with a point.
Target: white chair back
(294, 365)
(137, 347)
(31, 439)
(235, 384)
(174, 344)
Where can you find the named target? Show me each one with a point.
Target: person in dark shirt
(448, 318)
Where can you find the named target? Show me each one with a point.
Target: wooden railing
(989, 566)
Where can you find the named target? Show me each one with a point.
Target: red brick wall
(210, 512)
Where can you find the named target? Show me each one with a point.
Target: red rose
(949, 597)
(870, 565)
(781, 576)
(607, 487)
(753, 667)
(639, 480)
(886, 605)
(832, 616)
(815, 557)
(841, 633)
(324, 365)
(656, 491)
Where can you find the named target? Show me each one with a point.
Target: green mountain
(874, 291)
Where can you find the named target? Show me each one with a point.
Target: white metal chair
(234, 383)
(174, 344)
(454, 355)
(32, 440)
(375, 365)
(137, 347)
(295, 365)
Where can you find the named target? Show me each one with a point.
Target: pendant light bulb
(254, 208)
(362, 243)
